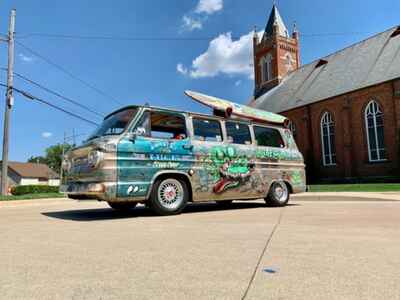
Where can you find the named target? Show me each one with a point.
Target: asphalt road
(64, 249)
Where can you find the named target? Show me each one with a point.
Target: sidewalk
(50, 201)
(348, 196)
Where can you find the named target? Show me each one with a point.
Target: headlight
(94, 158)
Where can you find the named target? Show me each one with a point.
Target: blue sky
(214, 58)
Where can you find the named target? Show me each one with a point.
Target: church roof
(372, 61)
(275, 17)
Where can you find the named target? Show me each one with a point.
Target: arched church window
(375, 131)
(266, 68)
(328, 139)
(289, 62)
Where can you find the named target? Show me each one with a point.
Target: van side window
(207, 130)
(238, 133)
(161, 125)
(268, 137)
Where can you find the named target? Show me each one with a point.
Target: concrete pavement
(62, 249)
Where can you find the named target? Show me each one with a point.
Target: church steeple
(275, 20)
(275, 55)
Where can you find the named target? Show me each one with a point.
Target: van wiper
(93, 137)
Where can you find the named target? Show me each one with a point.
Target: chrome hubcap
(170, 193)
(280, 191)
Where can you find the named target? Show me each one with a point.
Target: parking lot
(56, 249)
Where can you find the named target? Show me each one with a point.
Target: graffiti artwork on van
(294, 177)
(225, 168)
(278, 154)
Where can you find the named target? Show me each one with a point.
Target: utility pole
(62, 156)
(9, 103)
(73, 137)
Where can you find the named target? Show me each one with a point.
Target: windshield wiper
(93, 137)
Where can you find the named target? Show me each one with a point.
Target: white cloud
(238, 82)
(209, 6)
(225, 56)
(25, 58)
(195, 19)
(191, 23)
(181, 69)
(47, 135)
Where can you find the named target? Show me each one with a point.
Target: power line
(32, 97)
(333, 34)
(57, 94)
(143, 39)
(76, 135)
(62, 69)
(113, 38)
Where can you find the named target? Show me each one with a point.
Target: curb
(344, 196)
(6, 203)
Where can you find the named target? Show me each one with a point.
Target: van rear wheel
(169, 196)
(122, 205)
(278, 194)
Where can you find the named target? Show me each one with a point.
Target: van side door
(207, 139)
(240, 171)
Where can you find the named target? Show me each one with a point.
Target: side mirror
(140, 131)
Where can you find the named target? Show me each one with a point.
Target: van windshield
(115, 124)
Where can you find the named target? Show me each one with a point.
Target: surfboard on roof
(231, 108)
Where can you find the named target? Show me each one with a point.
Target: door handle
(187, 147)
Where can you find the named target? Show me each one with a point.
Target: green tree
(53, 157)
(37, 159)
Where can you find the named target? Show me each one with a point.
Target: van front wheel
(169, 196)
(278, 194)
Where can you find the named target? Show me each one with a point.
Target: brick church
(344, 108)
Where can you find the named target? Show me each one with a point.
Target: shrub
(33, 189)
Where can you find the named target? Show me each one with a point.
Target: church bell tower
(275, 55)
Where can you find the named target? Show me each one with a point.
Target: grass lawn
(365, 187)
(32, 196)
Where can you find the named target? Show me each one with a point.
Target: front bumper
(99, 190)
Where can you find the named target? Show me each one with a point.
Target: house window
(328, 139)
(266, 68)
(375, 131)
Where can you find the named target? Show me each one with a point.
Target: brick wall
(350, 134)
(278, 47)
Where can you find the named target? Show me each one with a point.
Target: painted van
(166, 158)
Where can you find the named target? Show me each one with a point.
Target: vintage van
(166, 158)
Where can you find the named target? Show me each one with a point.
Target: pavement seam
(253, 276)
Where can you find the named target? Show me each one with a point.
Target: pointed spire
(255, 33)
(275, 20)
(295, 33)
